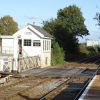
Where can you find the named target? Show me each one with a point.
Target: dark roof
(42, 31)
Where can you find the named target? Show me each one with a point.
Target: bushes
(57, 54)
(89, 50)
(93, 50)
(83, 49)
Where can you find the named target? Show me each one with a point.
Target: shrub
(83, 49)
(93, 50)
(57, 54)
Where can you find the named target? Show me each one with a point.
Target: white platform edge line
(87, 89)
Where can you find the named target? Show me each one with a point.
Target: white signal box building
(28, 42)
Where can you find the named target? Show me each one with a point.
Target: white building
(28, 42)
(92, 43)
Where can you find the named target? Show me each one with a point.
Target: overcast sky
(29, 11)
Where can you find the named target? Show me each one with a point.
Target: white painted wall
(30, 50)
(92, 43)
(45, 59)
(7, 45)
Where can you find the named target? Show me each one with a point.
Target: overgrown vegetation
(83, 49)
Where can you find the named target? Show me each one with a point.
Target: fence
(23, 64)
(6, 64)
(28, 63)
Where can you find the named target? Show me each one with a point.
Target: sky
(37, 11)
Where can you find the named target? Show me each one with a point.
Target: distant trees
(66, 27)
(7, 25)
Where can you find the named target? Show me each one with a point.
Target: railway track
(90, 59)
(12, 90)
(63, 92)
(70, 89)
(86, 84)
(48, 87)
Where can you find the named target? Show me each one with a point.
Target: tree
(66, 27)
(8, 26)
(72, 20)
(97, 17)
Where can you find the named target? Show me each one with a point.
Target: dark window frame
(27, 42)
(36, 43)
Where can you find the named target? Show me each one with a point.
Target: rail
(29, 88)
(81, 91)
(87, 58)
(43, 97)
(86, 84)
